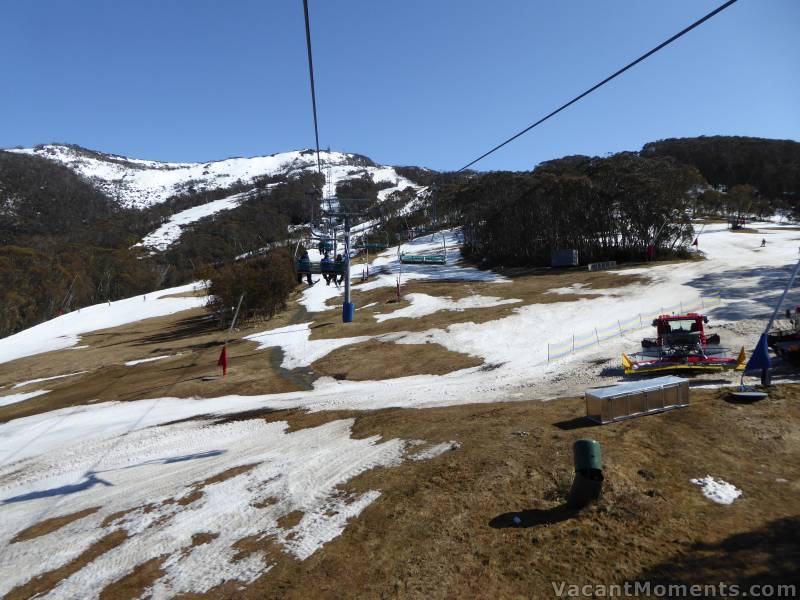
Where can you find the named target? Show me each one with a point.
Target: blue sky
(433, 83)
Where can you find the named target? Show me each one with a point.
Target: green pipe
(588, 482)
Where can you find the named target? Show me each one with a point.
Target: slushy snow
(297, 471)
(423, 304)
(298, 349)
(718, 490)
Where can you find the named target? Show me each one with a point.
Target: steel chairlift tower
(348, 308)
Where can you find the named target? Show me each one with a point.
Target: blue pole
(348, 308)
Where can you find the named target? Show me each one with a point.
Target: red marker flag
(223, 360)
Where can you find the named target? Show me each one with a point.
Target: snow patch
(14, 398)
(718, 490)
(423, 304)
(298, 349)
(163, 237)
(139, 361)
(31, 381)
(298, 471)
(436, 450)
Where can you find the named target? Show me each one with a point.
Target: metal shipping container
(627, 400)
(563, 258)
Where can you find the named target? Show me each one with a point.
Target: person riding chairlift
(304, 265)
(339, 269)
(327, 268)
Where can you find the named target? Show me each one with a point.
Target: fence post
(597, 336)
(573, 342)
(641, 325)
(620, 327)
(681, 306)
(548, 354)
(702, 305)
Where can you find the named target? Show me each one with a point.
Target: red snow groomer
(681, 345)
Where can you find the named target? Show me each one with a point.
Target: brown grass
(227, 474)
(198, 539)
(192, 496)
(377, 360)
(136, 582)
(434, 530)
(290, 520)
(51, 525)
(114, 517)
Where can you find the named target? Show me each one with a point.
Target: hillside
(770, 166)
(136, 183)
(413, 436)
(99, 227)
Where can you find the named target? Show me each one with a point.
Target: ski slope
(139, 458)
(65, 331)
(163, 237)
(749, 279)
(148, 471)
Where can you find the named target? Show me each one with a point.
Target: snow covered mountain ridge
(137, 183)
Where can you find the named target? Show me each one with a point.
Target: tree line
(606, 208)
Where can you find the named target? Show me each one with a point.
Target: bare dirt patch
(136, 582)
(193, 496)
(51, 525)
(264, 503)
(373, 360)
(247, 546)
(198, 539)
(296, 418)
(290, 520)
(191, 294)
(227, 474)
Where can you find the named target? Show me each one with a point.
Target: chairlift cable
(313, 91)
(311, 78)
(662, 45)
